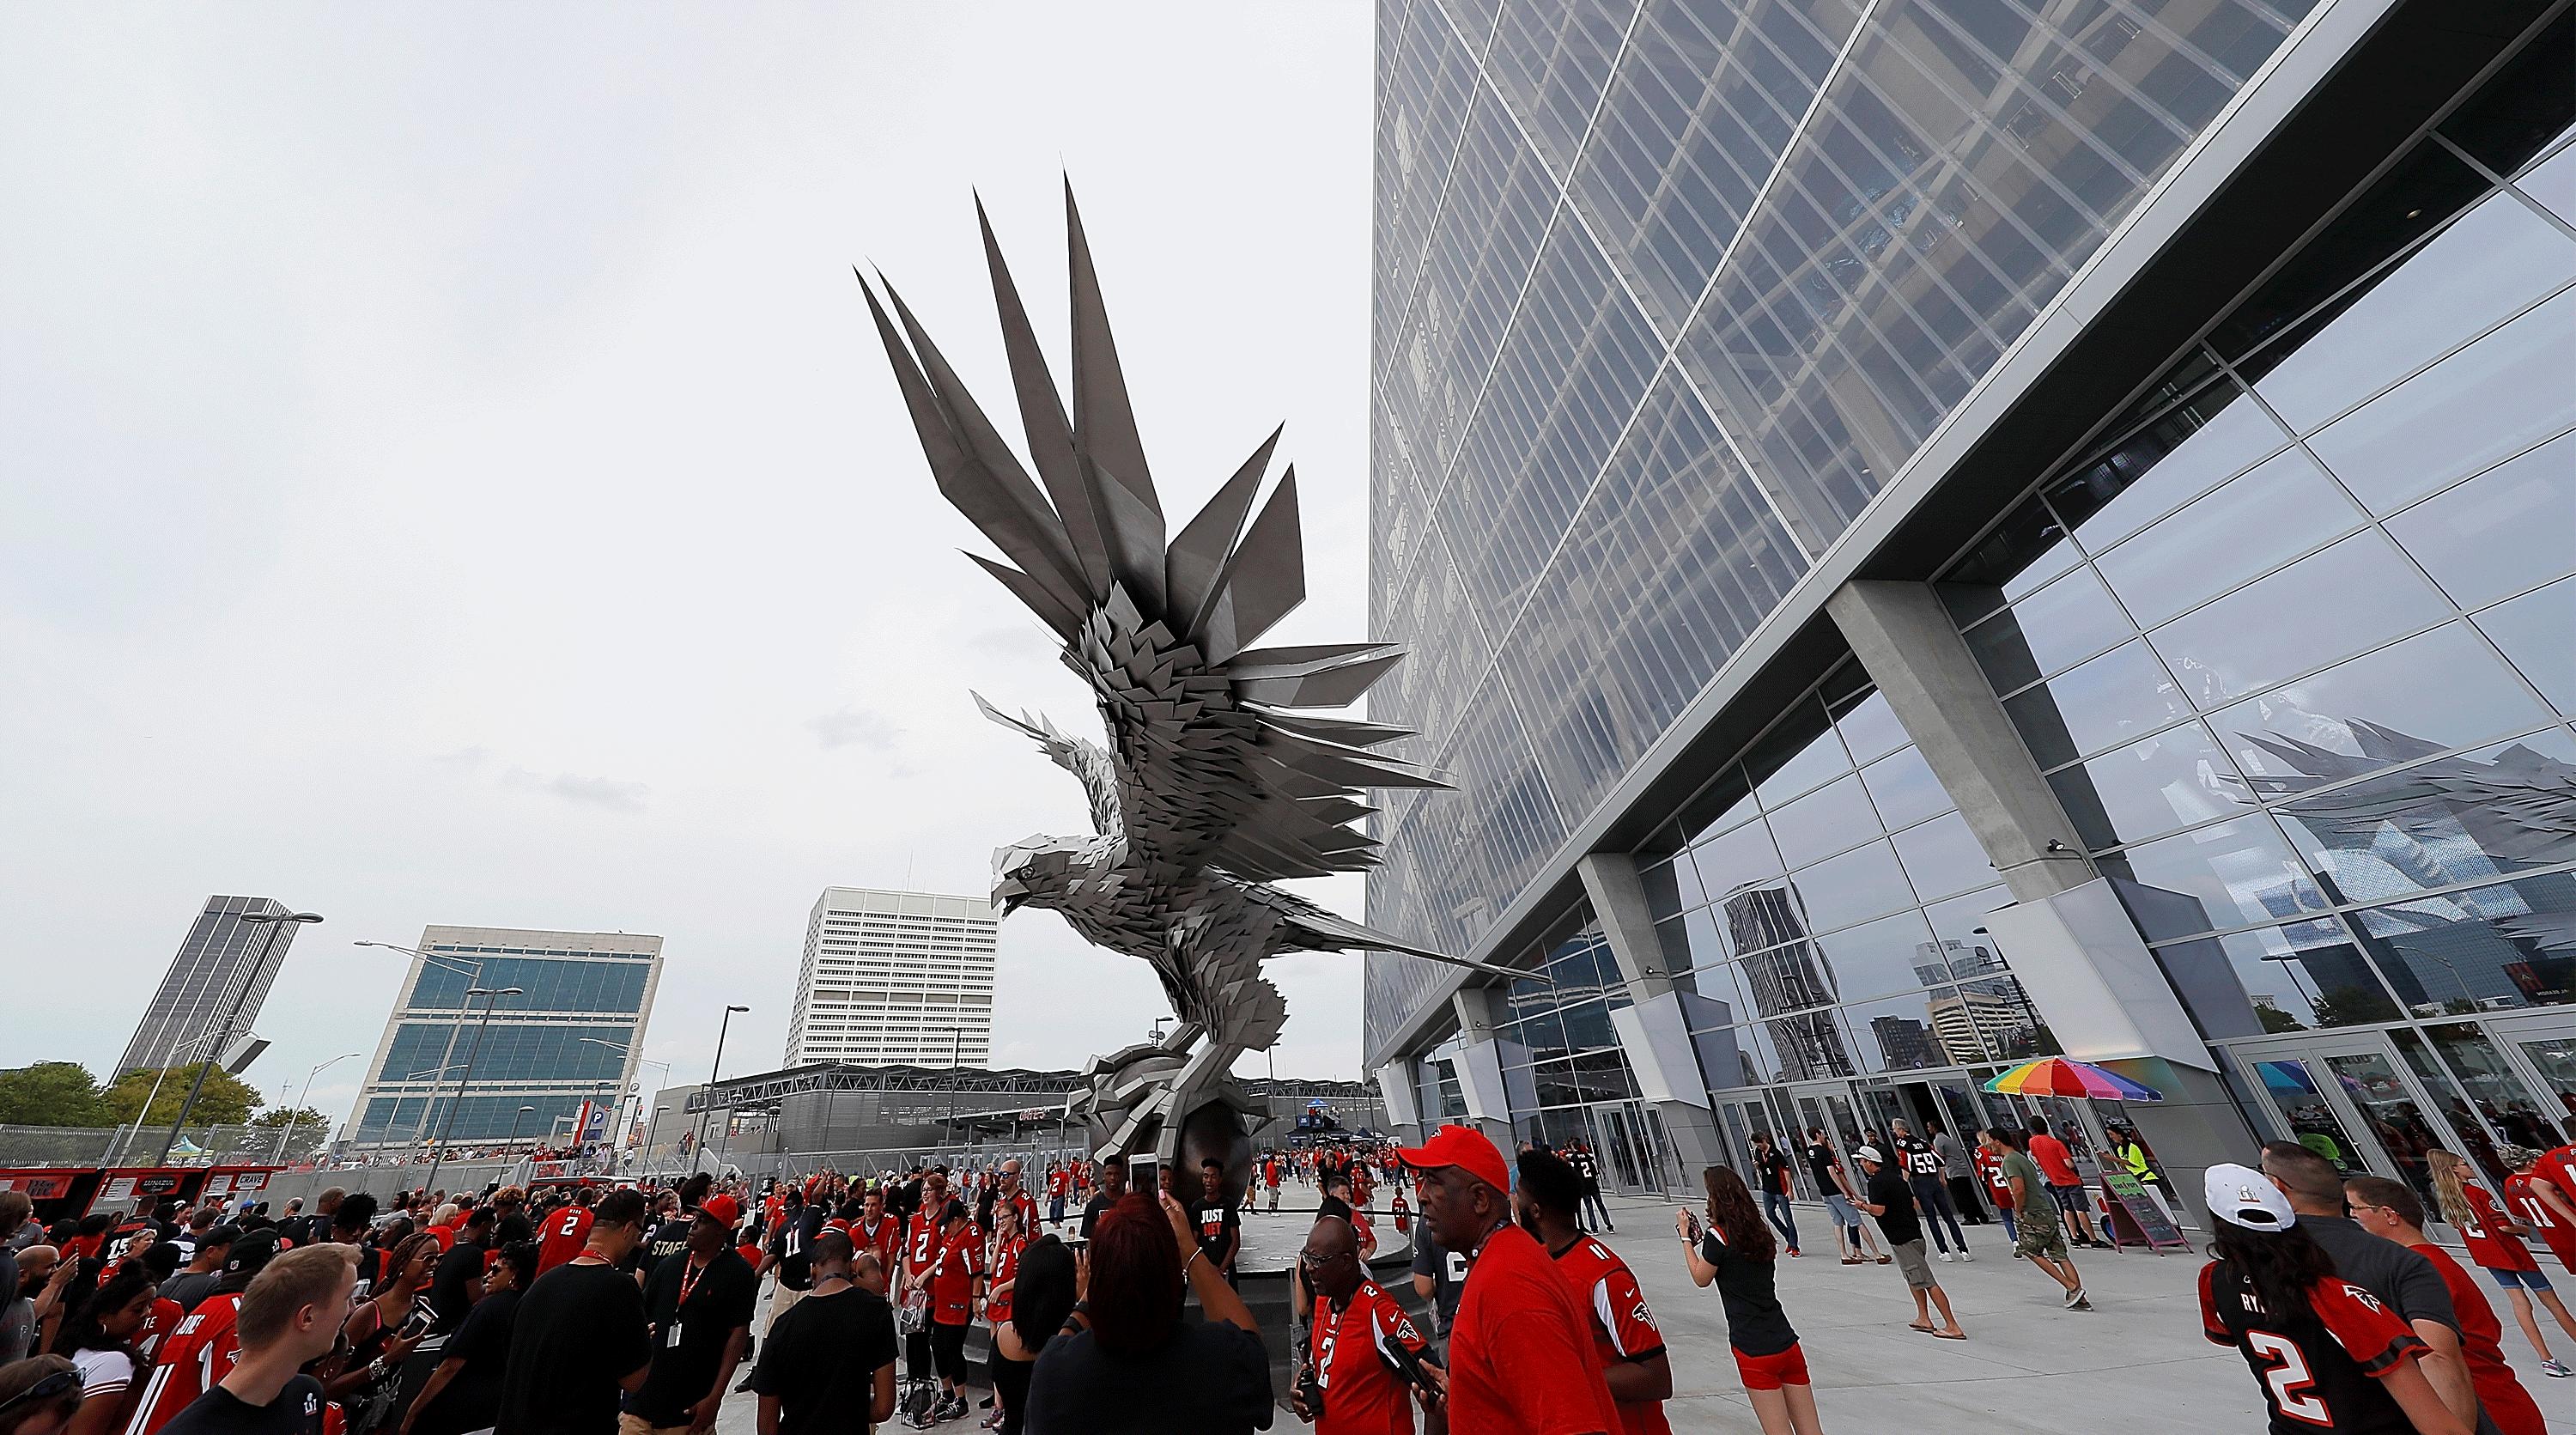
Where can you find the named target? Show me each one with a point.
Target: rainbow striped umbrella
(2060, 1076)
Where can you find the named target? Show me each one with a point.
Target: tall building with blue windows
(574, 1033)
(1939, 532)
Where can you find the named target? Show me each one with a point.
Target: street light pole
(214, 1051)
(514, 1127)
(709, 1104)
(491, 998)
(292, 1112)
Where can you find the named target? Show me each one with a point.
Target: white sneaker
(2075, 1299)
(1964, 1257)
(1945, 1258)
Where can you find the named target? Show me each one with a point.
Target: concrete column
(2091, 975)
(1479, 1063)
(1396, 1088)
(1654, 1030)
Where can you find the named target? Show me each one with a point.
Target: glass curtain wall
(2297, 645)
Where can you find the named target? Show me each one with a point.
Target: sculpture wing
(1083, 759)
(1211, 767)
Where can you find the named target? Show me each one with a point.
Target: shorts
(1770, 1372)
(628, 1424)
(1841, 1209)
(2041, 1239)
(1911, 1260)
(2531, 1279)
(2070, 1199)
(948, 1351)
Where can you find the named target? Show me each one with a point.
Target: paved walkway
(2135, 1364)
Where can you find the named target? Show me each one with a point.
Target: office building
(574, 1033)
(1931, 534)
(895, 978)
(221, 956)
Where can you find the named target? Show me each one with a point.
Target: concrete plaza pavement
(2135, 1364)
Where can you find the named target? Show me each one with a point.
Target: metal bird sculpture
(1211, 787)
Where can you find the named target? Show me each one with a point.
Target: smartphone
(1142, 1175)
(423, 1316)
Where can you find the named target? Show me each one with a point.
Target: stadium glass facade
(1719, 341)
(573, 1033)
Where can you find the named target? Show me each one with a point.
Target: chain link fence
(86, 1146)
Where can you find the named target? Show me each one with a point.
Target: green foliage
(52, 1093)
(226, 1101)
(2275, 1019)
(302, 1118)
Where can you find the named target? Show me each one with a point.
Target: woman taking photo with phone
(1734, 1252)
(381, 1334)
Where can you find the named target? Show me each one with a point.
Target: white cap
(2243, 1196)
(1869, 1154)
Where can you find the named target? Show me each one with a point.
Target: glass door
(2394, 1110)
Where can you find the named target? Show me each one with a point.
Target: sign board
(2135, 1218)
(157, 1185)
(38, 1188)
(119, 1189)
(251, 1181)
(216, 1186)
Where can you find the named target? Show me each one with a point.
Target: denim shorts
(2519, 1280)
(1840, 1208)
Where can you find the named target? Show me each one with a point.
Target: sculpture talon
(1211, 788)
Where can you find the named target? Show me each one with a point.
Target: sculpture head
(1040, 871)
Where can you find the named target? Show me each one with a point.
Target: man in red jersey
(956, 1284)
(1548, 1203)
(1370, 1364)
(1521, 1355)
(567, 1230)
(1008, 1189)
(201, 1349)
(2542, 1194)
(2392, 1210)
(875, 1230)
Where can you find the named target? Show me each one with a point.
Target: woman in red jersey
(2494, 1238)
(1734, 1253)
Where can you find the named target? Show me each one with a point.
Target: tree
(2275, 1019)
(302, 1118)
(52, 1093)
(226, 1101)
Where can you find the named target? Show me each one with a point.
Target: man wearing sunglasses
(1369, 1362)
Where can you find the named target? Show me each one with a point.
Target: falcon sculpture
(1213, 786)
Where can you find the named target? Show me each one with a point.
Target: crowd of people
(591, 1309)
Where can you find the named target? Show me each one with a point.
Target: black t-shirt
(1220, 1229)
(719, 1300)
(1820, 1161)
(452, 1283)
(472, 1401)
(1208, 1379)
(1773, 1164)
(1099, 1206)
(1448, 1272)
(1755, 1324)
(821, 1360)
(1898, 1223)
(669, 1239)
(578, 1332)
(1332, 1206)
(297, 1410)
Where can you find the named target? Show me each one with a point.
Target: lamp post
(712, 1072)
(514, 1127)
(491, 998)
(276, 922)
(296, 1109)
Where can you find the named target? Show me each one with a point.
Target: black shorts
(948, 1349)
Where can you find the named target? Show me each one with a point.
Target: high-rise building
(1937, 533)
(895, 977)
(574, 1033)
(223, 959)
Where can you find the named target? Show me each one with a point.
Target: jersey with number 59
(2319, 1366)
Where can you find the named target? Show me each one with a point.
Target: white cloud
(853, 727)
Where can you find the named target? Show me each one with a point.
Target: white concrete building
(894, 977)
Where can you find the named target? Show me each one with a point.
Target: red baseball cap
(724, 1210)
(1464, 1147)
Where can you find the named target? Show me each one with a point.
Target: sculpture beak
(1009, 895)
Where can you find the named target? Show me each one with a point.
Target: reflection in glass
(2355, 595)
(2061, 625)
(2494, 260)
(2174, 779)
(2307, 975)
(2501, 532)
(2501, 1097)
(1854, 887)
(2554, 1058)
(2189, 450)
(2395, 1121)
(2425, 694)
(2026, 550)
(1870, 728)
(2252, 523)
(1880, 957)
(2491, 400)
(2532, 630)
(2452, 820)
(1904, 789)
(1943, 856)
(2476, 1142)
(2293, 1084)
(2102, 703)
(1824, 821)
(1802, 751)
(1912, 1033)
(2488, 949)
(2238, 873)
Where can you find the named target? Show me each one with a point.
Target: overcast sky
(450, 477)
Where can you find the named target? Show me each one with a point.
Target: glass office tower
(574, 1033)
(1934, 533)
(223, 960)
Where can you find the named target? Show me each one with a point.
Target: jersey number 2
(2288, 1377)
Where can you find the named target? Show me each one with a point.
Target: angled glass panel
(2437, 690)
(1732, 859)
(1824, 822)
(2226, 875)
(1880, 957)
(2183, 454)
(2175, 779)
(2525, 107)
(2532, 630)
(2501, 532)
(2489, 401)
(2493, 949)
(1904, 789)
(2057, 627)
(2100, 704)
(2252, 523)
(1870, 729)
(1852, 888)
(1943, 857)
(2354, 595)
(2026, 550)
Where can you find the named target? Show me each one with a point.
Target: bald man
(1369, 1362)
